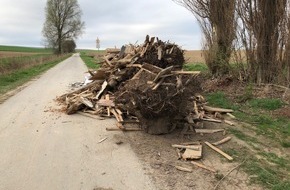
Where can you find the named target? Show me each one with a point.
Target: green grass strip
(89, 60)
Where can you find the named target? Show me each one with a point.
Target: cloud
(114, 22)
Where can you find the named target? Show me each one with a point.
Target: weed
(219, 99)
(195, 67)
(264, 175)
(279, 161)
(266, 103)
(239, 134)
(248, 94)
(285, 144)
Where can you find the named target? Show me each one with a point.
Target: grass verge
(263, 165)
(89, 60)
(195, 67)
(19, 77)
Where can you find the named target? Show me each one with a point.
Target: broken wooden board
(87, 102)
(208, 131)
(190, 154)
(213, 109)
(104, 86)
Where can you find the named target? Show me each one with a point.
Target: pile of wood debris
(143, 85)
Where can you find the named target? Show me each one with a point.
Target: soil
(159, 159)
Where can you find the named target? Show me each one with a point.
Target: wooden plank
(134, 65)
(208, 131)
(104, 86)
(212, 120)
(158, 84)
(213, 109)
(159, 52)
(231, 116)
(229, 122)
(120, 115)
(89, 115)
(219, 151)
(152, 68)
(193, 147)
(83, 88)
(107, 97)
(130, 121)
(137, 75)
(113, 111)
(87, 102)
(163, 72)
(107, 61)
(203, 166)
(224, 140)
(192, 154)
(185, 72)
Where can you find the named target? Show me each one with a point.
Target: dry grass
(6, 54)
(194, 56)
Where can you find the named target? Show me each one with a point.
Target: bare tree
(217, 21)
(263, 34)
(63, 22)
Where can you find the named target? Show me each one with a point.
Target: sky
(114, 22)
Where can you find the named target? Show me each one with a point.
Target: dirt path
(44, 149)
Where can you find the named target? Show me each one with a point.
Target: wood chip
(102, 140)
(180, 168)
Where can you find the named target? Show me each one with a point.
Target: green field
(24, 49)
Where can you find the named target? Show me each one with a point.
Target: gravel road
(41, 148)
